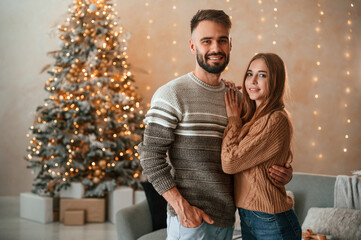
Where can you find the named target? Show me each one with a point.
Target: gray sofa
(310, 190)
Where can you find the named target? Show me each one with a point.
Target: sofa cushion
(157, 206)
(341, 223)
(311, 190)
(160, 234)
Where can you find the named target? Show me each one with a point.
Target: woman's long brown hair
(274, 100)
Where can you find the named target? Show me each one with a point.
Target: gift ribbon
(308, 235)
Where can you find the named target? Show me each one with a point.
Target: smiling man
(181, 149)
(211, 43)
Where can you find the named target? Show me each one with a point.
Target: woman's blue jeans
(265, 226)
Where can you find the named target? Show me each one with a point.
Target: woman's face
(256, 82)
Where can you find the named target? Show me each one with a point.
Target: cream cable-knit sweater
(266, 144)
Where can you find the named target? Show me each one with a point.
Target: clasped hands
(233, 106)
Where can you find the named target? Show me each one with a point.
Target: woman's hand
(231, 84)
(233, 108)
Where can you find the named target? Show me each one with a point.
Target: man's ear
(230, 44)
(191, 46)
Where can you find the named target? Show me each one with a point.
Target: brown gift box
(56, 216)
(94, 208)
(74, 217)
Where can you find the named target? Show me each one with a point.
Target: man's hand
(192, 217)
(281, 175)
(189, 216)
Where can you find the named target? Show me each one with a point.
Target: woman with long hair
(258, 135)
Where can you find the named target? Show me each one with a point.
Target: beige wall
(28, 33)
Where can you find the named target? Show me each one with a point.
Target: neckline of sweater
(218, 88)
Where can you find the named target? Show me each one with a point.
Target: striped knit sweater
(182, 146)
(266, 144)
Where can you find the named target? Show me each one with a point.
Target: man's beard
(217, 67)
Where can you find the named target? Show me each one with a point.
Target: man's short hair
(217, 16)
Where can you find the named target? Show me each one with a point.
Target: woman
(254, 142)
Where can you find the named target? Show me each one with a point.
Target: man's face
(211, 44)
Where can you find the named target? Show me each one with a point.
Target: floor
(12, 227)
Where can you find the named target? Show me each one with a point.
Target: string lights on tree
(91, 122)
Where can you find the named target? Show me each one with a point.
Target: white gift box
(75, 190)
(119, 198)
(36, 208)
(139, 196)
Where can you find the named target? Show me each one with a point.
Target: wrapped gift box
(119, 198)
(94, 208)
(36, 208)
(139, 196)
(56, 216)
(74, 217)
(75, 190)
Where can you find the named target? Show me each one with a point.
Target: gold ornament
(102, 164)
(96, 180)
(97, 172)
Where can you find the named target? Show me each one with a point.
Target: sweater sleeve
(233, 128)
(162, 118)
(265, 139)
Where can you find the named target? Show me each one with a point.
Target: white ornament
(127, 36)
(61, 43)
(76, 38)
(100, 43)
(93, 7)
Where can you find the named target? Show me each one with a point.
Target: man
(185, 125)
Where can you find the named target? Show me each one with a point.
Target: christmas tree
(91, 122)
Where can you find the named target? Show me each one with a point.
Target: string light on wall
(316, 79)
(275, 21)
(348, 57)
(262, 20)
(174, 41)
(229, 12)
(230, 9)
(150, 22)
